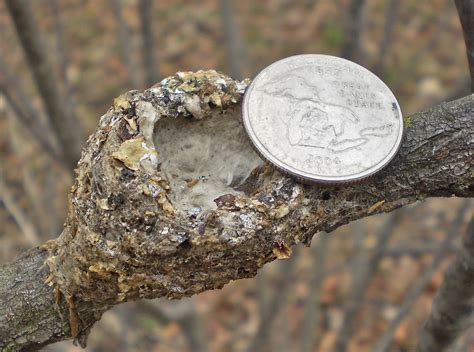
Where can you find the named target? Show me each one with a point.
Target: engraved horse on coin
(311, 122)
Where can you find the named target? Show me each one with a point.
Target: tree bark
(130, 232)
(32, 315)
(64, 125)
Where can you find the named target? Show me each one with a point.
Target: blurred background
(366, 287)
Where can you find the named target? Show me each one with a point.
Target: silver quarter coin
(322, 118)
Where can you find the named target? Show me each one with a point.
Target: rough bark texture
(130, 235)
(64, 125)
(32, 314)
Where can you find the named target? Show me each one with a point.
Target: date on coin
(322, 119)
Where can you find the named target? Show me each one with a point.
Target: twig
(193, 328)
(281, 341)
(66, 128)
(310, 4)
(442, 22)
(461, 88)
(123, 43)
(465, 343)
(418, 251)
(184, 313)
(150, 62)
(353, 31)
(62, 58)
(260, 341)
(452, 310)
(390, 19)
(234, 43)
(362, 275)
(27, 122)
(60, 51)
(30, 118)
(22, 220)
(383, 343)
(309, 332)
(262, 292)
(466, 15)
(39, 191)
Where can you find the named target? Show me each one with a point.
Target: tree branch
(363, 271)
(149, 60)
(384, 341)
(64, 125)
(385, 43)
(236, 53)
(441, 25)
(185, 315)
(353, 31)
(418, 251)
(466, 15)
(61, 52)
(452, 311)
(25, 113)
(309, 328)
(24, 223)
(123, 43)
(261, 341)
(162, 208)
(30, 315)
